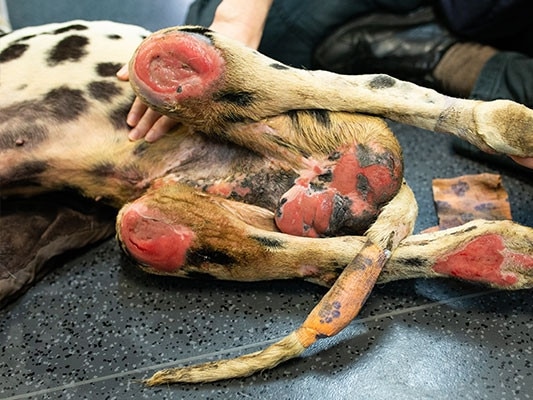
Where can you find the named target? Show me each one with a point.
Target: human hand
(242, 20)
(526, 162)
(145, 122)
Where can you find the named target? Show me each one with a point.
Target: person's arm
(242, 20)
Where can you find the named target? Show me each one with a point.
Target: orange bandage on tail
(344, 300)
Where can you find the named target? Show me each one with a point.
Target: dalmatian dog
(272, 173)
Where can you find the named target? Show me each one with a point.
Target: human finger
(123, 73)
(160, 127)
(137, 111)
(144, 124)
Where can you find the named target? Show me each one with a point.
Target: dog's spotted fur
(269, 166)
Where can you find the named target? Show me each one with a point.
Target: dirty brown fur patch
(238, 98)
(73, 27)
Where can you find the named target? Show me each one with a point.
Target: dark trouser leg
(506, 75)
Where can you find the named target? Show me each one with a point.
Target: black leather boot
(405, 46)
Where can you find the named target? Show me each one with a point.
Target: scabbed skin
(153, 240)
(343, 197)
(348, 165)
(260, 143)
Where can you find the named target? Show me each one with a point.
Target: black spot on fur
(114, 37)
(207, 255)
(22, 111)
(71, 48)
(200, 33)
(118, 115)
(130, 173)
(321, 116)
(103, 169)
(124, 173)
(382, 82)
(13, 52)
(269, 242)
(104, 90)
(58, 105)
(25, 38)
(266, 188)
(73, 27)
(280, 141)
(107, 69)
(24, 183)
(65, 104)
(470, 228)
(27, 170)
(294, 115)
(279, 66)
(203, 276)
(414, 261)
(140, 148)
(344, 222)
(24, 135)
(197, 29)
(239, 98)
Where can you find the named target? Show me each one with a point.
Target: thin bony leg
(498, 254)
(207, 80)
(221, 88)
(493, 253)
(335, 311)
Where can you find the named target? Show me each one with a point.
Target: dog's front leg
(204, 79)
